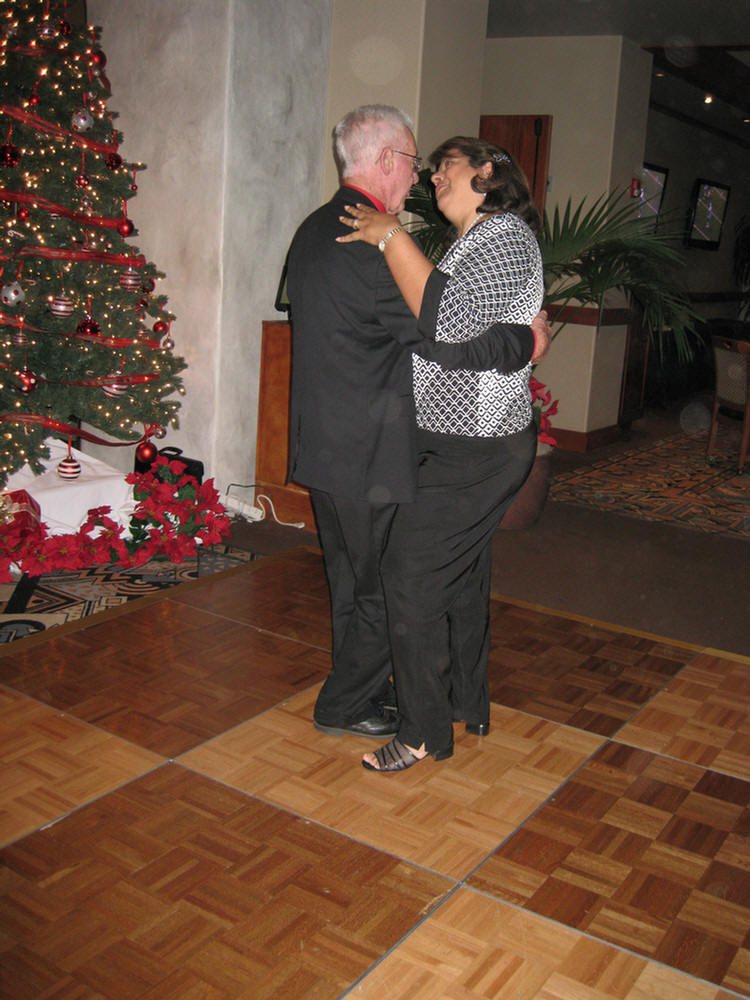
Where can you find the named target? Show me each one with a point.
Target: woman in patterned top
(477, 441)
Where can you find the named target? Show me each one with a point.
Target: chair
(732, 388)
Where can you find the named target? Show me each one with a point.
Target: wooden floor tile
(573, 672)
(285, 594)
(702, 716)
(473, 948)
(52, 763)
(447, 815)
(178, 888)
(644, 852)
(166, 676)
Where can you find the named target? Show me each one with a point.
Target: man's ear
(386, 161)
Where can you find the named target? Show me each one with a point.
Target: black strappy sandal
(395, 756)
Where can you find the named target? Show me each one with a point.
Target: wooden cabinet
(291, 502)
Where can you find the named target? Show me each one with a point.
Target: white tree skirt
(64, 503)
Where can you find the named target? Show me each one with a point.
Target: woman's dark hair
(505, 190)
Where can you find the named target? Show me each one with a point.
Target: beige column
(424, 56)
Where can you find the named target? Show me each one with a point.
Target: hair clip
(501, 158)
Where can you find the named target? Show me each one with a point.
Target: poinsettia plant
(543, 407)
(173, 514)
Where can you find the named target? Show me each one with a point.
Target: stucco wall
(225, 103)
(577, 81)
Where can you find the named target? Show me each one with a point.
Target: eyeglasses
(416, 161)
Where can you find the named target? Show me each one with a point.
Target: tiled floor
(175, 828)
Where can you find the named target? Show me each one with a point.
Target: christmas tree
(86, 338)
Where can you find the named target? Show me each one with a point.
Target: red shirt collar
(376, 201)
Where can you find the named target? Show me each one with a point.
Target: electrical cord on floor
(255, 511)
(287, 524)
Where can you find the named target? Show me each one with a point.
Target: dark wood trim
(589, 315)
(584, 441)
(291, 502)
(698, 297)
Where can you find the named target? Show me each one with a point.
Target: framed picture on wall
(653, 183)
(708, 208)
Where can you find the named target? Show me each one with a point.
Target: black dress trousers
(353, 536)
(436, 576)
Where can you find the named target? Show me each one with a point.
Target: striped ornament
(68, 468)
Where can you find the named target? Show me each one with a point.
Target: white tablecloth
(64, 504)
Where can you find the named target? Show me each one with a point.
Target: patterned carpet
(669, 481)
(33, 604)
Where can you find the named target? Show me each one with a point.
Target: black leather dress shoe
(377, 726)
(478, 728)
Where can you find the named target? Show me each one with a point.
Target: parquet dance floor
(172, 827)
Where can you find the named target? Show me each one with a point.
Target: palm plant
(587, 252)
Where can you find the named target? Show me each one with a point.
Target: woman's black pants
(436, 576)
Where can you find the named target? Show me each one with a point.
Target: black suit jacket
(352, 419)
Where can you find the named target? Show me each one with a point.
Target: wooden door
(527, 138)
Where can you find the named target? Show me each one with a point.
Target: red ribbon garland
(99, 257)
(118, 379)
(58, 425)
(28, 118)
(151, 345)
(29, 199)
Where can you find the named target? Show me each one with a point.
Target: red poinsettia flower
(173, 515)
(543, 407)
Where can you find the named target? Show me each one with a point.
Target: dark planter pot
(528, 503)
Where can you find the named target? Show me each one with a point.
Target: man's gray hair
(362, 133)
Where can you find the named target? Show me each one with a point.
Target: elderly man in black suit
(353, 427)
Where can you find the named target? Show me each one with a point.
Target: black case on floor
(193, 466)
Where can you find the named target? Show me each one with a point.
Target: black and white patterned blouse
(495, 274)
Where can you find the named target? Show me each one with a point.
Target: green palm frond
(433, 229)
(588, 252)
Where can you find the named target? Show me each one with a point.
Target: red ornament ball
(68, 468)
(148, 284)
(64, 28)
(82, 181)
(23, 213)
(34, 100)
(113, 161)
(146, 452)
(28, 381)
(89, 327)
(99, 59)
(160, 327)
(10, 155)
(125, 227)
(20, 339)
